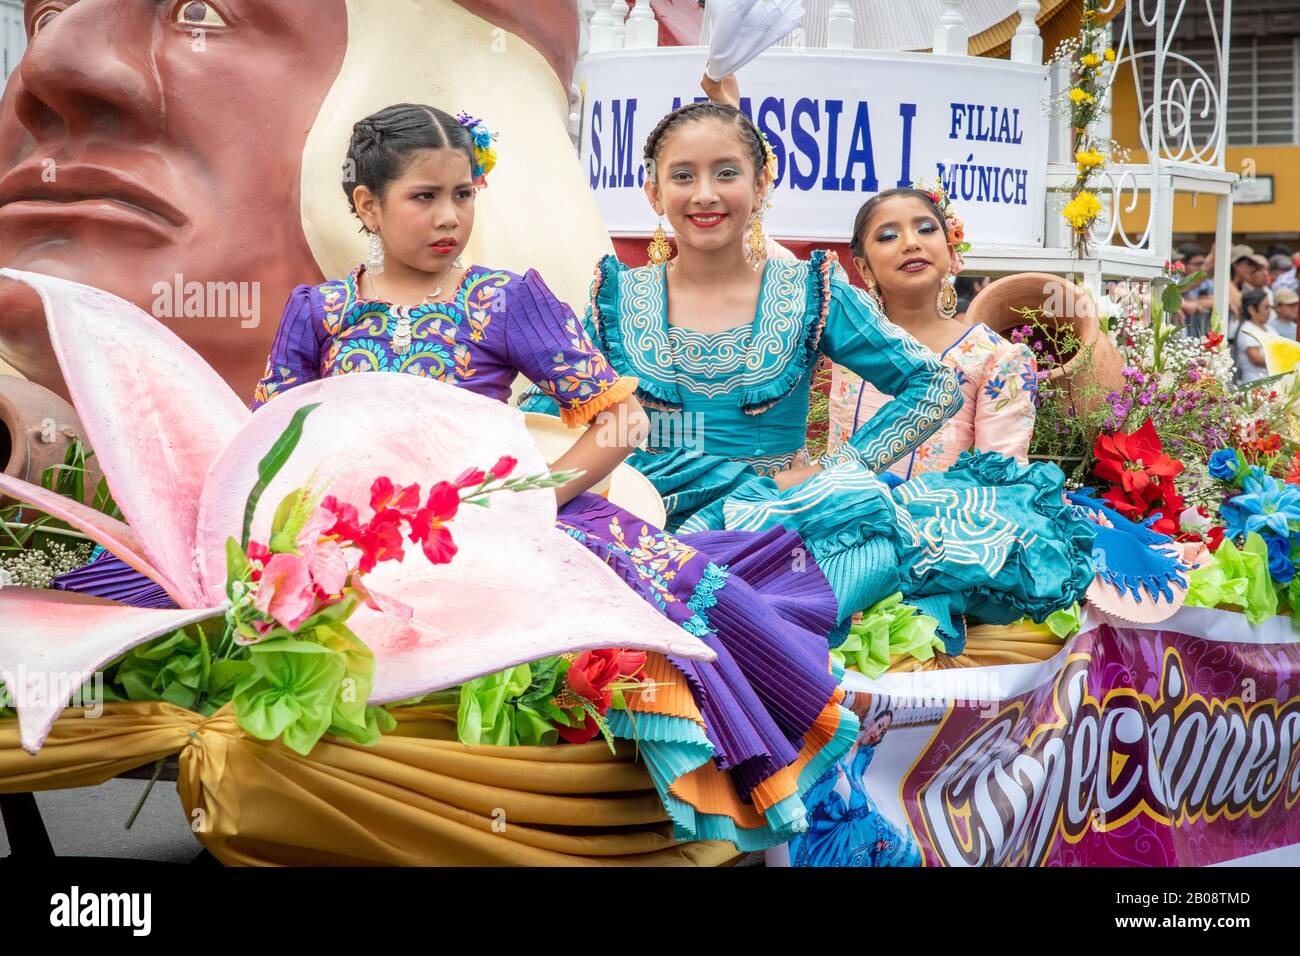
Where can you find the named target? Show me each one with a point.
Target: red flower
(384, 495)
(381, 540)
(258, 555)
(428, 526)
(1213, 341)
(591, 674)
(471, 478)
(1137, 464)
(348, 526)
(1293, 476)
(505, 464)
(579, 735)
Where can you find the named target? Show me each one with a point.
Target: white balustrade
(839, 27)
(1027, 44)
(603, 37)
(642, 27)
(951, 35)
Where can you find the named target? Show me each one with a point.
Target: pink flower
(471, 478)
(285, 591)
(505, 464)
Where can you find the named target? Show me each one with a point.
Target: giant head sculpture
(186, 155)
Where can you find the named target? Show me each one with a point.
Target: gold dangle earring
(873, 293)
(756, 251)
(948, 298)
(659, 250)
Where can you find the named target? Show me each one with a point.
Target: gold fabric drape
(413, 799)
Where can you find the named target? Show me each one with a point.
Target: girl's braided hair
(384, 144)
(693, 112)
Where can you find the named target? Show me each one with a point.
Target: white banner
(844, 125)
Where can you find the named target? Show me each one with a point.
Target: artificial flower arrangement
(1091, 64)
(292, 669)
(1254, 567)
(34, 552)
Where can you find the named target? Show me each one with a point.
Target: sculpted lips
(35, 190)
(915, 264)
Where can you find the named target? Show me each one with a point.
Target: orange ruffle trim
(584, 413)
(710, 790)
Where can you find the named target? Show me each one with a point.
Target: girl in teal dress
(723, 343)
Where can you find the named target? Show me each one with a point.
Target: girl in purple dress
(769, 716)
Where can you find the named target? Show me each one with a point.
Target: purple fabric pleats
(108, 576)
(758, 600)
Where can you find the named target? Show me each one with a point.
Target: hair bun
(365, 134)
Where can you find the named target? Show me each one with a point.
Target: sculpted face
(143, 140)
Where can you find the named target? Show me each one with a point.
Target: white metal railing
(1180, 100)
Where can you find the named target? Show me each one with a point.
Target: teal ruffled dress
(989, 538)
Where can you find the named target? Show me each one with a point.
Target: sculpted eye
(199, 14)
(42, 20)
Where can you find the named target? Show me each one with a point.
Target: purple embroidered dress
(768, 709)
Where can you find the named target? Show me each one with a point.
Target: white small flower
(6, 579)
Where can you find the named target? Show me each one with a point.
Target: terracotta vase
(36, 428)
(1061, 303)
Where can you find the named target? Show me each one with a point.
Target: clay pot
(1061, 302)
(36, 428)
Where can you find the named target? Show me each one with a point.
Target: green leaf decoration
(888, 629)
(1236, 578)
(270, 466)
(1066, 621)
(290, 693)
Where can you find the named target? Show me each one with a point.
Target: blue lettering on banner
(806, 143)
(620, 171)
(908, 113)
(795, 132)
(1002, 124)
(860, 154)
(984, 182)
(773, 107)
(833, 110)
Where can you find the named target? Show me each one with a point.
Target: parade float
(1157, 723)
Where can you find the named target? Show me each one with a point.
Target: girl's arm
(609, 439)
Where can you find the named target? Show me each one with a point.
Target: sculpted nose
(92, 70)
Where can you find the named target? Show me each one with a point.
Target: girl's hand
(788, 479)
(725, 91)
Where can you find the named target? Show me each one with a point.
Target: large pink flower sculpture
(180, 452)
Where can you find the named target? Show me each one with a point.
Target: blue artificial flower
(1280, 567)
(1264, 503)
(482, 137)
(1224, 465)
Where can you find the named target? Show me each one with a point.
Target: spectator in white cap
(1286, 303)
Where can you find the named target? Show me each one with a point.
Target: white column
(642, 27)
(839, 27)
(602, 27)
(620, 22)
(951, 36)
(1222, 267)
(1027, 44)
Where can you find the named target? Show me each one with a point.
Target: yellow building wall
(1195, 214)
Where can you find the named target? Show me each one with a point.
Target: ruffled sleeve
(295, 354)
(547, 343)
(1004, 405)
(925, 391)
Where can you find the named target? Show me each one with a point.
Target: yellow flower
(1088, 158)
(1082, 210)
(1091, 60)
(1078, 96)
(1110, 55)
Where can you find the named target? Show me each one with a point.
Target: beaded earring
(375, 257)
(873, 293)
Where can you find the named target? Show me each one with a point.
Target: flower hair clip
(956, 228)
(770, 164)
(485, 157)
